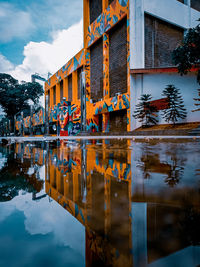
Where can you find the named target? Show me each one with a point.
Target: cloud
(44, 57)
(43, 217)
(5, 65)
(14, 23)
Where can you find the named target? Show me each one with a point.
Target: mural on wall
(115, 12)
(106, 65)
(112, 104)
(39, 117)
(18, 123)
(92, 124)
(68, 116)
(27, 122)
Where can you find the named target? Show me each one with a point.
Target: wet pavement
(100, 203)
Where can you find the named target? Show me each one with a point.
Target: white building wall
(170, 11)
(155, 83)
(176, 13)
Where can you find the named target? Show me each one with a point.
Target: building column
(106, 86)
(87, 82)
(86, 19)
(104, 4)
(128, 72)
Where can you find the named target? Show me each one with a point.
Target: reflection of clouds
(3, 160)
(6, 210)
(42, 217)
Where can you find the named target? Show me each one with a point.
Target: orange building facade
(96, 81)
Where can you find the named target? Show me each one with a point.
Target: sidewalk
(13, 139)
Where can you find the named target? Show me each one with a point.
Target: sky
(38, 36)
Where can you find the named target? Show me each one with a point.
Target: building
(127, 49)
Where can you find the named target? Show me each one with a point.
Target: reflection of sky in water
(42, 229)
(145, 209)
(2, 160)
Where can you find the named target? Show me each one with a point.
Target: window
(195, 4)
(118, 58)
(79, 71)
(95, 9)
(61, 91)
(48, 98)
(54, 95)
(70, 88)
(161, 38)
(96, 70)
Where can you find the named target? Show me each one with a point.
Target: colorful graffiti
(115, 12)
(27, 122)
(69, 117)
(112, 104)
(39, 117)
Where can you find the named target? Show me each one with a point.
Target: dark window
(95, 9)
(119, 208)
(118, 120)
(70, 186)
(110, 1)
(100, 122)
(182, 1)
(118, 58)
(79, 81)
(97, 217)
(96, 73)
(54, 95)
(161, 38)
(195, 4)
(48, 98)
(61, 91)
(70, 88)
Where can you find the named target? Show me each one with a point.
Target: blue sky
(32, 25)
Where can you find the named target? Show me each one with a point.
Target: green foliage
(198, 100)
(188, 54)
(145, 112)
(15, 97)
(176, 108)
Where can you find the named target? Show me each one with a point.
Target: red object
(63, 133)
(159, 70)
(160, 104)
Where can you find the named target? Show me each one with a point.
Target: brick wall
(161, 38)
(70, 88)
(95, 9)
(118, 120)
(96, 73)
(118, 58)
(79, 71)
(195, 4)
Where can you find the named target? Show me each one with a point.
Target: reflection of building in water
(31, 158)
(94, 186)
(127, 223)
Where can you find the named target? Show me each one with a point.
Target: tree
(187, 55)
(145, 112)
(15, 96)
(198, 100)
(176, 108)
